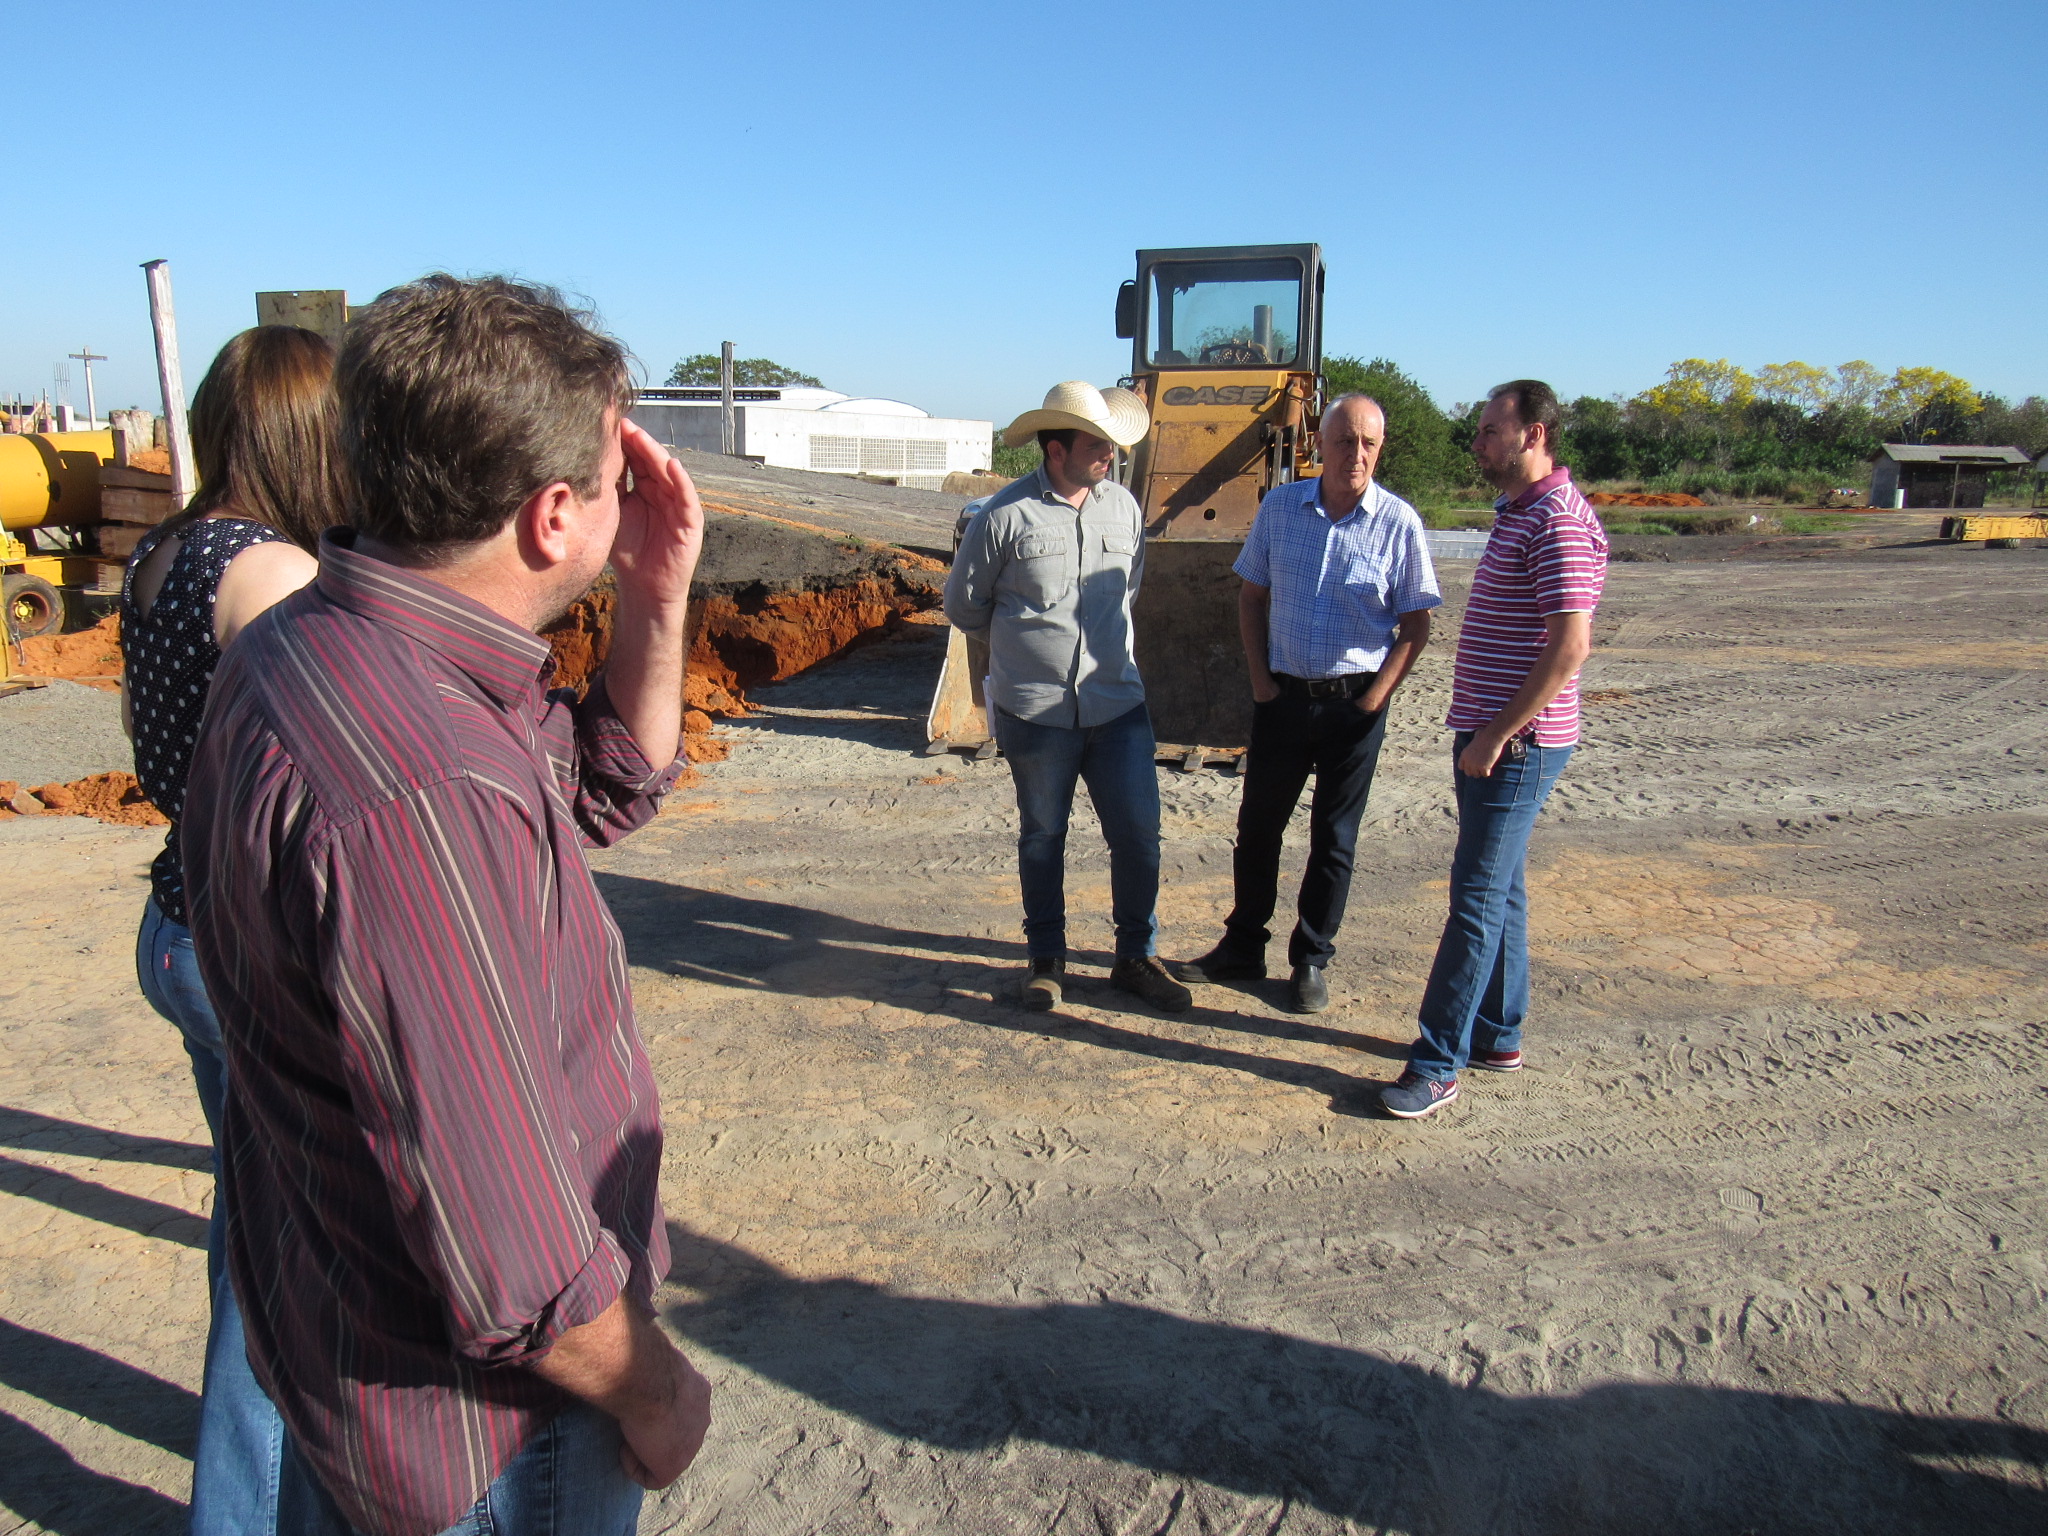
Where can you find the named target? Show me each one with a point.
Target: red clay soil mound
(740, 642)
(111, 797)
(91, 656)
(1643, 499)
(765, 637)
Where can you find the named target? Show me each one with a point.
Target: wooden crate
(119, 539)
(129, 495)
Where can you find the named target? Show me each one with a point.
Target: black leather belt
(1349, 686)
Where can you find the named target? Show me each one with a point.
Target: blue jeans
(241, 1437)
(1116, 761)
(565, 1481)
(1478, 992)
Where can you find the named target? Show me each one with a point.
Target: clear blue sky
(936, 201)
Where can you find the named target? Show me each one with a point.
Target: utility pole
(92, 406)
(164, 321)
(728, 430)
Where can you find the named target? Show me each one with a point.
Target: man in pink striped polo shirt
(1515, 711)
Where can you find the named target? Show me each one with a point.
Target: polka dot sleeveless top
(170, 658)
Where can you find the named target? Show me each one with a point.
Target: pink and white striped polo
(1548, 554)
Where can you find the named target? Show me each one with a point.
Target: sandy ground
(1757, 1243)
(60, 732)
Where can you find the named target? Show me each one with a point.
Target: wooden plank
(134, 479)
(121, 504)
(120, 539)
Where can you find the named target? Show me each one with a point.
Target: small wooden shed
(1938, 474)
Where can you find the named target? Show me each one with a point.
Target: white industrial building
(820, 429)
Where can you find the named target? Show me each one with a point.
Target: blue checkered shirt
(1339, 589)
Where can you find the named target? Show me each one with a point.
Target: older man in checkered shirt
(1334, 611)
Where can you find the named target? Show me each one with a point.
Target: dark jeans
(1115, 759)
(1291, 738)
(1478, 992)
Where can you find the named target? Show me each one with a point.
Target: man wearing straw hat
(1049, 570)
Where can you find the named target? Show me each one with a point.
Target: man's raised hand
(661, 522)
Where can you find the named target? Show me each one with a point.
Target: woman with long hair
(270, 479)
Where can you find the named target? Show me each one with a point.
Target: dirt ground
(1757, 1243)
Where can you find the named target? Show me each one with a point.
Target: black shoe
(1221, 964)
(1147, 977)
(1045, 982)
(1306, 990)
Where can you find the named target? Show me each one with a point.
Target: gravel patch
(62, 732)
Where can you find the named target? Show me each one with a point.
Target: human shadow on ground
(96, 1202)
(98, 1387)
(44, 1486)
(33, 1131)
(750, 944)
(1383, 1443)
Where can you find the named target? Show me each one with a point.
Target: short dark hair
(1064, 436)
(1535, 404)
(462, 397)
(263, 434)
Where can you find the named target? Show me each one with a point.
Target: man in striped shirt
(1334, 611)
(442, 1144)
(1515, 711)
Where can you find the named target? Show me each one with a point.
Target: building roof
(874, 405)
(1951, 453)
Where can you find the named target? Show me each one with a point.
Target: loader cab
(1226, 350)
(1234, 306)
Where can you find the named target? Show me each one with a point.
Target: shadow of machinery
(1382, 1443)
(752, 945)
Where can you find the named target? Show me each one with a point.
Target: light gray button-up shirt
(1053, 587)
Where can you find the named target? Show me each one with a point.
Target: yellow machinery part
(2020, 527)
(1219, 441)
(1200, 472)
(52, 479)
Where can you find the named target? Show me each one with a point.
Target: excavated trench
(771, 599)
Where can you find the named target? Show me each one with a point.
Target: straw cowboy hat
(1114, 413)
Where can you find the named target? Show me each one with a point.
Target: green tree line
(752, 372)
(1711, 428)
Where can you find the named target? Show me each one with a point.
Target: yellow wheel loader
(1227, 355)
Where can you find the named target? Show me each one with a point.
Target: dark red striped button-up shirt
(442, 1139)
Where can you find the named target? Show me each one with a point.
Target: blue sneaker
(1415, 1096)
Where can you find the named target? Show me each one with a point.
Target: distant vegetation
(1012, 462)
(1425, 458)
(1788, 431)
(753, 372)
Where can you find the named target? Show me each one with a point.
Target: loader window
(1225, 313)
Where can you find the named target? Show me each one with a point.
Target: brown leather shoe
(1147, 978)
(1044, 983)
